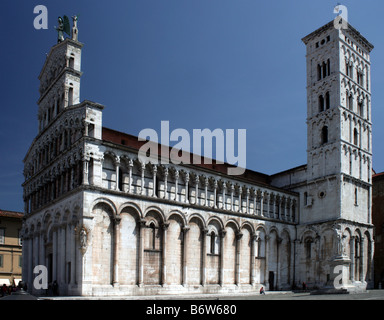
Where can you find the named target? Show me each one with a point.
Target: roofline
(11, 214)
(378, 175)
(202, 167)
(330, 24)
(302, 167)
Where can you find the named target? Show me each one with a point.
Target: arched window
(321, 103)
(259, 247)
(360, 109)
(121, 176)
(355, 136)
(213, 241)
(318, 72)
(328, 67)
(327, 101)
(108, 173)
(62, 102)
(308, 248)
(70, 96)
(324, 70)
(324, 135)
(152, 236)
(65, 139)
(72, 62)
(157, 188)
(349, 101)
(357, 257)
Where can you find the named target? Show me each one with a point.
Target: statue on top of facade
(63, 27)
(75, 31)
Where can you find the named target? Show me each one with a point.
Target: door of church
(271, 281)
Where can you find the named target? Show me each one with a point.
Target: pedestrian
(55, 288)
(4, 290)
(304, 286)
(262, 290)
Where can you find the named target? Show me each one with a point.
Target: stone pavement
(270, 295)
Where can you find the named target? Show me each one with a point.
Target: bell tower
(60, 78)
(339, 128)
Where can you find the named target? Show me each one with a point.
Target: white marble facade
(103, 223)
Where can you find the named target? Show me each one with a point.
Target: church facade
(104, 223)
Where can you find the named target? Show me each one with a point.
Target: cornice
(351, 30)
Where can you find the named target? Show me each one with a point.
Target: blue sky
(229, 64)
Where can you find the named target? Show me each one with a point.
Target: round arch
(157, 210)
(234, 222)
(106, 201)
(130, 205)
(179, 214)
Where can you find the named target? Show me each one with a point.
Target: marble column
(204, 262)
(142, 191)
(85, 171)
(154, 181)
(164, 255)
(130, 166)
(352, 268)
(239, 235)
(185, 255)
(117, 176)
(215, 194)
(116, 253)
(362, 259)
(165, 184)
(141, 252)
(177, 174)
(197, 180)
(253, 257)
(222, 256)
(187, 187)
(224, 191)
(240, 207)
(206, 183)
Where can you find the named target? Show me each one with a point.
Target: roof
(378, 175)
(11, 214)
(130, 141)
(298, 168)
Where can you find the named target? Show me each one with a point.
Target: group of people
(7, 290)
(52, 290)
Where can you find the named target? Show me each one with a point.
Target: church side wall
(148, 247)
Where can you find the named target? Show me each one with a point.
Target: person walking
(4, 290)
(262, 290)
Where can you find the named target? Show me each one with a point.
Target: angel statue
(62, 28)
